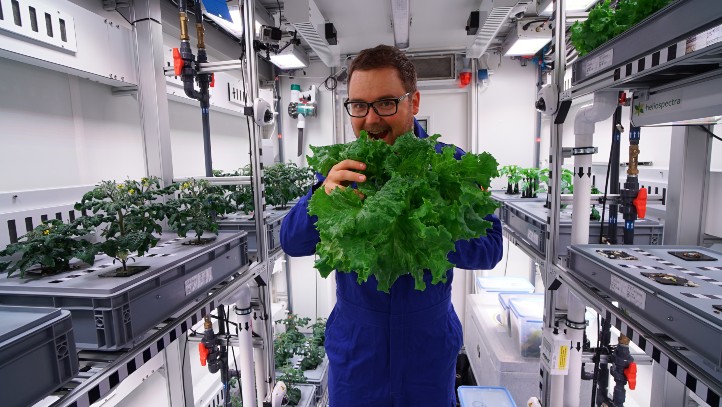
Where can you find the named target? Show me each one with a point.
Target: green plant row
(128, 217)
(535, 180)
(291, 343)
(606, 22)
(283, 183)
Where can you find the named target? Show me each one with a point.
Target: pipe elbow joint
(601, 108)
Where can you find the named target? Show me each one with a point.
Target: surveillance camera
(547, 100)
(262, 112)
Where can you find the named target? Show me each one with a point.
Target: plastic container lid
(528, 308)
(15, 320)
(476, 396)
(504, 284)
(504, 298)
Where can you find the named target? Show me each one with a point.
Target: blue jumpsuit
(397, 349)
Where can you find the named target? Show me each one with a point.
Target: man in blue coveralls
(397, 349)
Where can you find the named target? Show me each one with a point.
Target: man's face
(372, 85)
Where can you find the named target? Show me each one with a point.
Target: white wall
(59, 130)
(448, 115)
(506, 114)
(229, 140)
(319, 130)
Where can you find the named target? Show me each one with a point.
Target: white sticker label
(596, 64)
(628, 292)
(197, 282)
(533, 237)
(704, 39)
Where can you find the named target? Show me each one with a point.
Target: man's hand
(342, 175)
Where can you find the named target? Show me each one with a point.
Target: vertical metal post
(178, 373)
(248, 7)
(536, 163)
(152, 96)
(686, 213)
(553, 386)
(474, 109)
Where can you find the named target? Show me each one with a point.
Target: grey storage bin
(528, 220)
(37, 353)
(317, 377)
(242, 222)
(502, 198)
(111, 313)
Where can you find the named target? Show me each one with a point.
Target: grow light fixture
(401, 18)
(569, 5)
(527, 38)
(293, 57)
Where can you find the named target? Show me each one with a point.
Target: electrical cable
(710, 133)
(604, 200)
(233, 348)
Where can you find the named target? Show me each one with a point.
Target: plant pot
(199, 242)
(119, 272)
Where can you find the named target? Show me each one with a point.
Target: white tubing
(245, 345)
(573, 381)
(260, 375)
(557, 385)
(603, 107)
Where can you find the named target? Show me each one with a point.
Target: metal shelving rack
(675, 51)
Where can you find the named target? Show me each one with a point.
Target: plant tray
(528, 220)
(317, 377)
(501, 197)
(685, 312)
(37, 353)
(112, 313)
(240, 221)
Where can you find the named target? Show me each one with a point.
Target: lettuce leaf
(417, 204)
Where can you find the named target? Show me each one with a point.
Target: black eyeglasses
(382, 107)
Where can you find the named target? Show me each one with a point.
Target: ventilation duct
(307, 20)
(493, 15)
(434, 68)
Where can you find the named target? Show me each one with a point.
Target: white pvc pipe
(602, 108)
(573, 381)
(258, 354)
(557, 388)
(245, 345)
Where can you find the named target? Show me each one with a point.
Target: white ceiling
(437, 25)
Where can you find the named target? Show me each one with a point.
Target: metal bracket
(579, 151)
(568, 152)
(576, 325)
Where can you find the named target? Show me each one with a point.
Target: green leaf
(417, 204)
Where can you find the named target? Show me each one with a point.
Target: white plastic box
(490, 287)
(526, 324)
(505, 312)
(476, 396)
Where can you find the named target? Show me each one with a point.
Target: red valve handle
(631, 374)
(640, 202)
(177, 62)
(203, 351)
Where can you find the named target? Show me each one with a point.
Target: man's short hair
(386, 56)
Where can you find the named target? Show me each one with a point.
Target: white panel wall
(60, 130)
(448, 115)
(506, 115)
(229, 140)
(319, 130)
